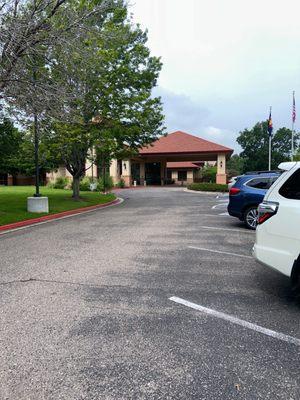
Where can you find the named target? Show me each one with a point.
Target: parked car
(277, 242)
(232, 181)
(247, 193)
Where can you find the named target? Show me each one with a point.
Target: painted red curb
(50, 217)
(129, 188)
(116, 189)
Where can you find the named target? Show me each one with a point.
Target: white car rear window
(291, 188)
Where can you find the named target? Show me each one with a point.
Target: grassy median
(13, 201)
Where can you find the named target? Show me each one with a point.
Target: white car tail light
(266, 210)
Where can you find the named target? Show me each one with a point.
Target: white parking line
(227, 229)
(214, 215)
(218, 205)
(219, 252)
(237, 321)
(223, 196)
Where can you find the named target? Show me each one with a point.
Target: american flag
(294, 108)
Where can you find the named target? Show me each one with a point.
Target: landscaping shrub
(208, 187)
(121, 183)
(50, 185)
(208, 174)
(84, 185)
(60, 183)
(108, 183)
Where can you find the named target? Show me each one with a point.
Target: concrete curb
(54, 217)
(200, 192)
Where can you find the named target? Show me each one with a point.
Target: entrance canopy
(175, 147)
(181, 146)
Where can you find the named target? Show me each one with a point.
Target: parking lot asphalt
(88, 306)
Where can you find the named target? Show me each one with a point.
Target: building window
(120, 168)
(182, 175)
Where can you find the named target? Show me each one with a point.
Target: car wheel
(295, 278)
(250, 218)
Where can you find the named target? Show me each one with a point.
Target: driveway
(157, 298)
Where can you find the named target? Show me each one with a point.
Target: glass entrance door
(135, 173)
(152, 173)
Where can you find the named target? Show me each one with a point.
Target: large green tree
(23, 160)
(10, 143)
(235, 165)
(28, 28)
(17, 151)
(112, 74)
(297, 156)
(255, 147)
(31, 35)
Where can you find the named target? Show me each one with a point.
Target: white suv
(277, 242)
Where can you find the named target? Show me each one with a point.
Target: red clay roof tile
(181, 142)
(183, 164)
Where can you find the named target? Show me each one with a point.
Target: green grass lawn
(13, 201)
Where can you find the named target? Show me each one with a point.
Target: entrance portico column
(142, 172)
(221, 177)
(126, 172)
(113, 171)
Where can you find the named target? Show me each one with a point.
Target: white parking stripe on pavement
(214, 215)
(237, 321)
(219, 205)
(223, 196)
(227, 229)
(219, 252)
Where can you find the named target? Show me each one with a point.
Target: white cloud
(182, 112)
(188, 115)
(225, 62)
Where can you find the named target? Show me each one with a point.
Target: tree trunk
(76, 182)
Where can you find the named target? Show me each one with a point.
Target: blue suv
(247, 193)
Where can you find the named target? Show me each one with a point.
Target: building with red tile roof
(153, 163)
(183, 143)
(179, 152)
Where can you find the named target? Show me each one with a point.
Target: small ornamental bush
(60, 183)
(208, 187)
(121, 183)
(84, 185)
(50, 185)
(208, 174)
(105, 184)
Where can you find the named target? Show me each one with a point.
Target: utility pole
(36, 140)
(36, 156)
(270, 131)
(37, 203)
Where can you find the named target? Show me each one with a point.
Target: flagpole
(293, 150)
(293, 126)
(270, 151)
(270, 146)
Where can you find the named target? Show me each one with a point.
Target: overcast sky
(225, 62)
